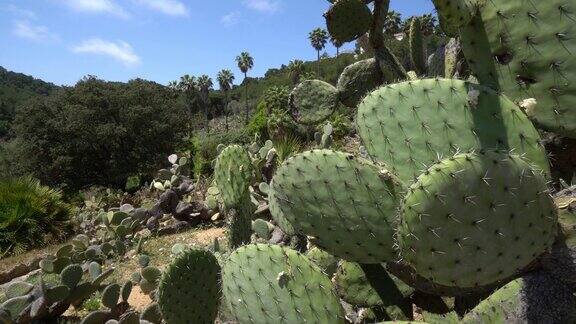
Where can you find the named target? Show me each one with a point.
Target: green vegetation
(99, 133)
(15, 89)
(31, 215)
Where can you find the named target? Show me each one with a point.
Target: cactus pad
(476, 219)
(110, 295)
(357, 80)
(353, 286)
(527, 50)
(413, 124)
(262, 228)
(456, 13)
(270, 284)
(417, 46)
(536, 298)
(71, 275)
(326, 261)
(189, 291)
(313, 101)
(232, 174)
(347, 20)
(347, 204)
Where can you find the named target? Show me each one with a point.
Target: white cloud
(266, 6)
(97, 6)
(230, 19)
(19, 12)
(120, 51)
(168, 7)
(37, 33)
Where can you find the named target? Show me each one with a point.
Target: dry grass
(25, 258)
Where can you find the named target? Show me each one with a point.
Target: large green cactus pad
(270, 284)
(348, 19)
(412, 125)
(189, 290)
(457, 13)
(357, 80)
(527, 49)
(475, 219)
(232, 173)
(313, 101)
(353, 286)
(536, 298)
(347, 204)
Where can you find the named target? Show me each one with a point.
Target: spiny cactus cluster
(48, 300)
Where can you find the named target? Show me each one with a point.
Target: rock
(177, 227)
(126, 208)
(130, 254)
(168, 201)
(193, 212)
(216, 216)
(152, 224)
(186, 187)
(140, 214)
(155, 211)
(145, 233)
(278, 236)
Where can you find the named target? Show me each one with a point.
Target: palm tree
(336, 44)
(245, 63)
(225, 80)
(205, 84)
(318, 38)
(295, 68)
(393, 23)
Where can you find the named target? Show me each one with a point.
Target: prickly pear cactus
(353, 286)
(536, 298)
(411, 125)
(326, 261)
(232, 174)
(348, 19)
(417, 46)
(347, 204)
(357, 80)
(313, 101)
(476, 219)
(270, 284)
(239, 227)
(189, 290)
(457, 13)
(526, 50)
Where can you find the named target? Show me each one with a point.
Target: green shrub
(31, 215)
(203, 148)
(99, 133)
(258, 123)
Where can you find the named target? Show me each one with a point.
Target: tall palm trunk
(246, 96)
(226, 109)
(206, 125)
(318, 63)
(337, 51)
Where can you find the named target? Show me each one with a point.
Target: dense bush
(31, 215)
(204, 152)
(99, 133)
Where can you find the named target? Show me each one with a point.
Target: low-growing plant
(31, 215)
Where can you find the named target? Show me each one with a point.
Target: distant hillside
(16, 88)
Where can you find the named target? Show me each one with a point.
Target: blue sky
(62, 40)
